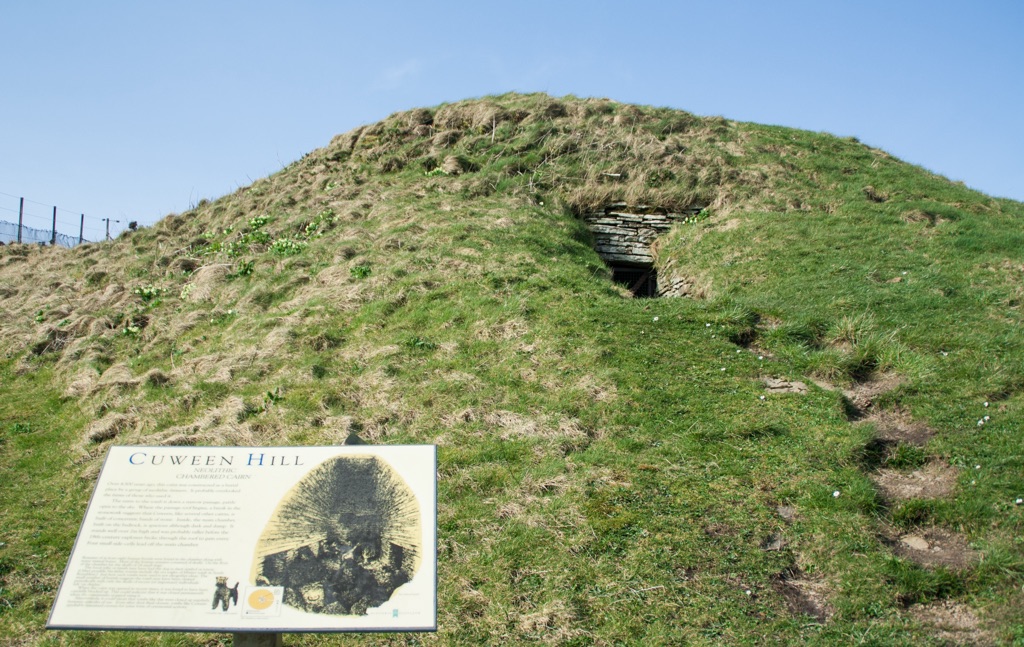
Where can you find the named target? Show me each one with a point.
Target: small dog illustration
(224, 595)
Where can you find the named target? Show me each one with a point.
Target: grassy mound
(819, 445)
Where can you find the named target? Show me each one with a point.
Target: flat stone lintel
(625, 248)
(627, 258)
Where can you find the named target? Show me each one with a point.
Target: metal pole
(81, 230)
(53, 235)
(108, 228)
(256, 640)
(21, 213)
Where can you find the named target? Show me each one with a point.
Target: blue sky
(133, 110)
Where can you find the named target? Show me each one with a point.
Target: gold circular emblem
(261, 599)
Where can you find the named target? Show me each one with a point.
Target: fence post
(81, 229)
(21, 214)
(53, 235)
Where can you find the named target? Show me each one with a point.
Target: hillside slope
(819, 442)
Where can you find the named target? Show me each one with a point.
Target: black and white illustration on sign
(223, 596)
(343, 540)
(288, 539)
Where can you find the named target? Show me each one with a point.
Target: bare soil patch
(862, 395)
(787, 512)
(952, 621)
(804, 595)
(897, 426)
(933, 481)
(933, 547)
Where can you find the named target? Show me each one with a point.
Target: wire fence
(27, 221)
(9, 234)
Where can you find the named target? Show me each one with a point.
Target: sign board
(243, 539)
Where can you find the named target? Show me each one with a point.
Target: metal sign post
(256, 640)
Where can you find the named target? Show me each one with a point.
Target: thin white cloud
(393, 77)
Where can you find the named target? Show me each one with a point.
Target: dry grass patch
(82, 383)
(218, 368)
(206, 283)
(952, 621)
(550, 624)
(805, 595)
(501, 331)
(514, 425)
(118, 377)
(596, 389)
(531, 499)
(109, 427)
(933, 481)
(731, 224)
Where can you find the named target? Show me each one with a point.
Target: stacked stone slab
(623, 234)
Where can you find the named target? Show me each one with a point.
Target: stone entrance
(623, 235)
(641, 281)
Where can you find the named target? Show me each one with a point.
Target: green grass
(608, 470)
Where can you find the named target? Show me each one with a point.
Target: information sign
(243, 539)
